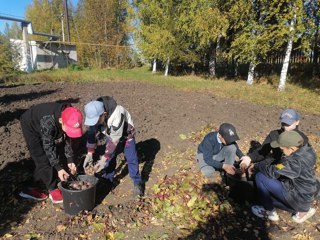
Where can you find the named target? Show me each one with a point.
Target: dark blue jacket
(210, 147)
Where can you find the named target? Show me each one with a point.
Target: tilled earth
(161, 116)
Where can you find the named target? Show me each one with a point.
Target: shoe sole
(31, 197)
(54, 201)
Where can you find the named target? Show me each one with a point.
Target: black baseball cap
(228, 132)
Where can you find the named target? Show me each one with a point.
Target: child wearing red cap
(47, 129)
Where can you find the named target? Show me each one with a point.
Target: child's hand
(72, 168)
(251, 170)
(245, 162)
(230, 169)
(63, 175)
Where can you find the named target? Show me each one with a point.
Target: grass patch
(302, 99)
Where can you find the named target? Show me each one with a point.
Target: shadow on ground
(12, 178)
(238, 223)
(9, 98)
(146, 151)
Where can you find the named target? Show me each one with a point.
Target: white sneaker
(261, 212)
(300, 219)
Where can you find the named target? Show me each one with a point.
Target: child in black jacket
(289, 185)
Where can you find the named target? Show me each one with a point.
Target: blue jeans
(132, 160)
(271, 193)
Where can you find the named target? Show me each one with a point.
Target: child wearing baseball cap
(46, 128)
(289, 185)
(217, 151)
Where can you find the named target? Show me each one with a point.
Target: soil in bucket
(79, 195)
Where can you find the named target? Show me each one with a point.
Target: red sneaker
(56, 196)
(34, 193)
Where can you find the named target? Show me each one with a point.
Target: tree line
(186, 35)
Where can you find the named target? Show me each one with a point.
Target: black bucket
(75, 201)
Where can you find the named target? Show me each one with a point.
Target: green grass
(264, 94)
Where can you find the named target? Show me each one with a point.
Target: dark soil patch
(160, 114)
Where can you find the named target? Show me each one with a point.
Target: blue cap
(93, 110)
(289, 116)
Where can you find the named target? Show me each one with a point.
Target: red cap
(72, 121)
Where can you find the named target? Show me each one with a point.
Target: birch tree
(156, 33)
(293, 17)
(285, 66)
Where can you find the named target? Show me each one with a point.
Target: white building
(44, 55)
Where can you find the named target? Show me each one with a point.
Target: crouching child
(218, 150)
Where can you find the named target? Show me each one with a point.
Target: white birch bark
(212, 65)
(251, 73)
(285, 66)
(154, 66)
(167, 67)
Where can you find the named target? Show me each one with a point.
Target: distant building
(43, 55)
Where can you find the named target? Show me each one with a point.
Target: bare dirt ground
(160, 115)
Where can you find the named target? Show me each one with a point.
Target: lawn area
(302, 99)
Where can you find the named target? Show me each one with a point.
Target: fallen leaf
(61, 228)
(182, 136)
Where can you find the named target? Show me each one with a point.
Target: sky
(15, 9)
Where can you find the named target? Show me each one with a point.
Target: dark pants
(129, 149)
(271, 193)
(44, 171)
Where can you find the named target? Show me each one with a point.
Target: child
(289, 120)
(112, 120)
(44, 127)
(289, 185)
(217, 151)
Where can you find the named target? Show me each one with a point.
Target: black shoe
(138, 190)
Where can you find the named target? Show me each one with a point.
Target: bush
(75, 67)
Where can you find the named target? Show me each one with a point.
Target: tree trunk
(167, 67)
(251, 73)
(285, 66)
(212, 64)
(235, 67)
(154, 66)
(315, 50)
(193, 69)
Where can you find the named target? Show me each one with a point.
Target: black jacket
(265, 150)
(296, 173)
(43, 121)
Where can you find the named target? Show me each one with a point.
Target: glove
(72, 168)
(88, 161)
(101, 164)
(245, 162)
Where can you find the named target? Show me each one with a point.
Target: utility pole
(62, 27)
(67, 19)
